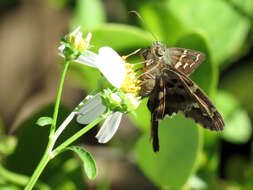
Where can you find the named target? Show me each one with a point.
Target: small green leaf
(87, 159)
(43, 121)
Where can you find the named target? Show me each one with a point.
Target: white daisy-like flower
(122, 76)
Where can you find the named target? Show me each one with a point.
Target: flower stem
(20, 179)
(47, 154)
(44, 161)
(71, 139)
(58, 98)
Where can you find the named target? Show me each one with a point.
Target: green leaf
(179, 148)
(120, 37)
(238, 127)
(245, 7)
(137, 117)
(167, 27)
(87, 159)
(89, 14)
(225, 28)
(43, 121)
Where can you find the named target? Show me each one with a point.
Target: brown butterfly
(165, 81)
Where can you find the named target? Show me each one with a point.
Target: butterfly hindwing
(194, 102)
(185, 60)
(174, 92)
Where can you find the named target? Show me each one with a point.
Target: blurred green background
(191, 158)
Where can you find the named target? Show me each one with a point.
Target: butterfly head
(156, 53)
(158, 49)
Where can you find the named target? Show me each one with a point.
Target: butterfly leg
(133, 53)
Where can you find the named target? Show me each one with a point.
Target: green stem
(19, 179)
(44, 161)
(58, 98)
(47, 154)
(71, 139)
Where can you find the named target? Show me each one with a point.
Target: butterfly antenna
(146, 25)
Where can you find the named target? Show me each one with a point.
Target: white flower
(121, 75)
(76, 45)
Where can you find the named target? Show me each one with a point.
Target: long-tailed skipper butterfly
(165, 80)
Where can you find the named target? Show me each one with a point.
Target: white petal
(111, 65)
(76, 31)
(91, 110)
(79, 37)
(87, 58)
(88, 38)
(109, 127)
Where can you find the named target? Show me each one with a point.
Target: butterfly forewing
(185, 60)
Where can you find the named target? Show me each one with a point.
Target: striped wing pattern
(185, 60)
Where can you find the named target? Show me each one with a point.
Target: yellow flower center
(130, 84)
(78, 42)
(82, 45)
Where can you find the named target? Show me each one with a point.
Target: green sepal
(69, 51)
(112, 104)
